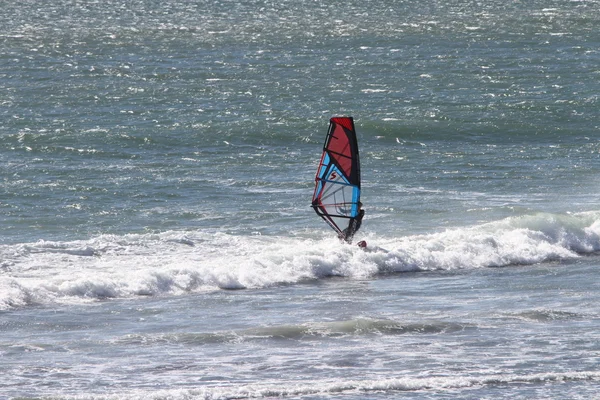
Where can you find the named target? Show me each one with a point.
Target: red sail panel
(342, 147)
(339, 149)
(346, 122)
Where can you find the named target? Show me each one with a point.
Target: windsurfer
(353, 226)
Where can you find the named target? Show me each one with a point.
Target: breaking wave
(175, 263)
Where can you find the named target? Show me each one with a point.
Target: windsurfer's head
(362, 244)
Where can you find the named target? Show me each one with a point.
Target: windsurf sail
(337, 184)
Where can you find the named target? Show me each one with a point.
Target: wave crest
(174, 263)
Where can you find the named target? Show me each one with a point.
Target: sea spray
(173, 263)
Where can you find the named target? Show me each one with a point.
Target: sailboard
(336, 198)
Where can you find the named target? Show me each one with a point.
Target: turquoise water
(158, 161)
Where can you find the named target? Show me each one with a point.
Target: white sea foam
(351, 387)
(175, 263)
(521, 240)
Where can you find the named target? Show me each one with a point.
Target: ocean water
(157, 164)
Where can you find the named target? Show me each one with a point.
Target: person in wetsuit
(353, 226)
